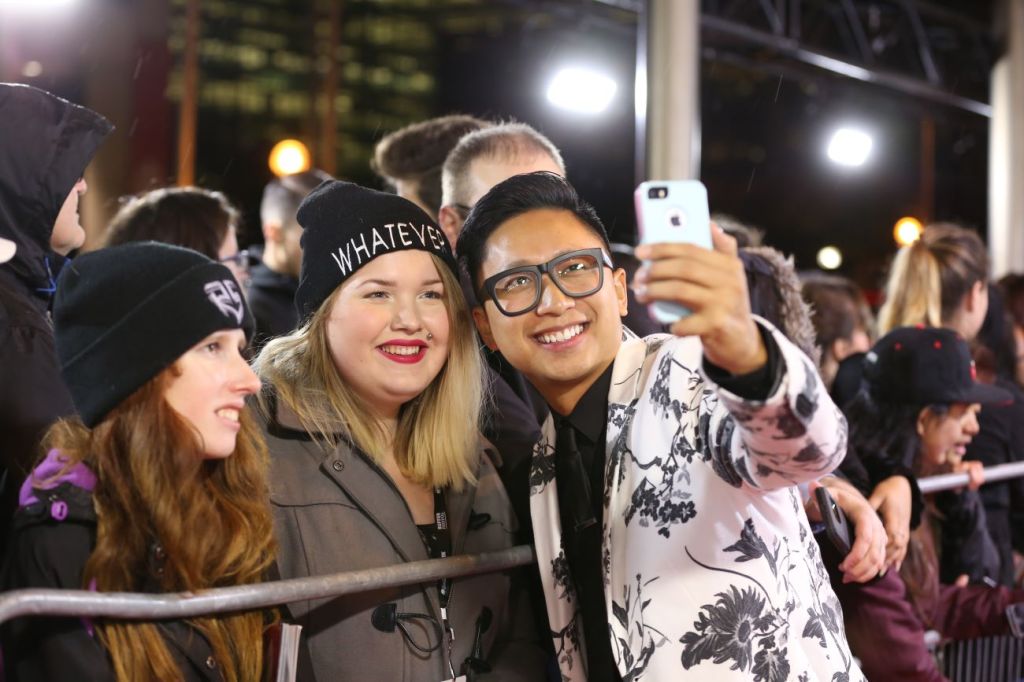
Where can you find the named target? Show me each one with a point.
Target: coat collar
(373, 492)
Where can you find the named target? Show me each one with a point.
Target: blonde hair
(436, 439)
(928, 279)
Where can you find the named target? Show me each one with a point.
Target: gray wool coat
(335, 511)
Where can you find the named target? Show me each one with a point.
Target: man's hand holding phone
(712, 285)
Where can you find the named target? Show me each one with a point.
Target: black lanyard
(439, 550)
(443, 547)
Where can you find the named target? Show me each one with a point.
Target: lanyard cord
(442, 549)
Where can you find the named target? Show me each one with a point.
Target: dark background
(765, 117)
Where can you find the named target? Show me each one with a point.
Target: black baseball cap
(926, 366)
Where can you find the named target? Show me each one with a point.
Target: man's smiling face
(565, 343)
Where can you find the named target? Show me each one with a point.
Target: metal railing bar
(1000, 472)
(56, 602)
(83, 603)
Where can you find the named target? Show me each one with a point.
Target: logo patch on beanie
(225, 295)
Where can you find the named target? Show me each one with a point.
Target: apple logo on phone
(676, 217)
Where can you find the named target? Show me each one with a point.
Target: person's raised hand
(713, 286)
(892, 499)
(975, 471)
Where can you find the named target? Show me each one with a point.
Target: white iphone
(672, 211)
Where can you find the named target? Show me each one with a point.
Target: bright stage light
(581, 90)
(830, 258)
(907, 231)
(288, 157)
(849, 147)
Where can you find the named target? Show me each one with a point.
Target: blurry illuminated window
(343, 103)
(380, 76)
(420, 82)
(353, 72)
(251, 57)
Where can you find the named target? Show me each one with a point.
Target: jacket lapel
(370, 489)
(559, 591)
(459, 506)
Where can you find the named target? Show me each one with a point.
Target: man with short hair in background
(483, 159)
(272, 282)
(409, 160)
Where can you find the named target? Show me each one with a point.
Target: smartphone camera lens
(657, 193)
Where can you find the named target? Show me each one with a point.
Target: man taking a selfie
(668, 526)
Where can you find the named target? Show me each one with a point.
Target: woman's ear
(839, 349)
(922, 420)
(977, 296)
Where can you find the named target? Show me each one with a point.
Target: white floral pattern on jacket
(710, 568)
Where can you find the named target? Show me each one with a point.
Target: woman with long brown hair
(159, 484)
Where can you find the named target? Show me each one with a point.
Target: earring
(429, 336)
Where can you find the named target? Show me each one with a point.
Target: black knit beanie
(123, 314)
(345, 226)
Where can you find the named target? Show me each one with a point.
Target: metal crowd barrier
(987, 659)
(52, 602)
(1000, 472)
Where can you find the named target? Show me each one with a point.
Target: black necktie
(572, 477)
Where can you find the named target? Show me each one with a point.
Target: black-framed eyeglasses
(463, 210)
(576, 274)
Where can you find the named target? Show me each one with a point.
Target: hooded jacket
(46, 144)
(272, 300)
(54, 533)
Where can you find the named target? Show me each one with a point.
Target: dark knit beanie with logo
(345, 226)
(123, 314)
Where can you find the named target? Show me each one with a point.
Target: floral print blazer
(710, 568)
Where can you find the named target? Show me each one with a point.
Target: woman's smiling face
(388, 329)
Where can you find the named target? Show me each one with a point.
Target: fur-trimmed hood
(775, 295)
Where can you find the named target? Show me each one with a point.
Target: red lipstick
(403, 351)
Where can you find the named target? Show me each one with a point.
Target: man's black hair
(518, 195)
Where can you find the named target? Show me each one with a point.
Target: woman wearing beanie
(916, 413)
(158, 486)
(372, 410)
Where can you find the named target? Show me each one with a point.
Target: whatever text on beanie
(345, 226)
(124, 314)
